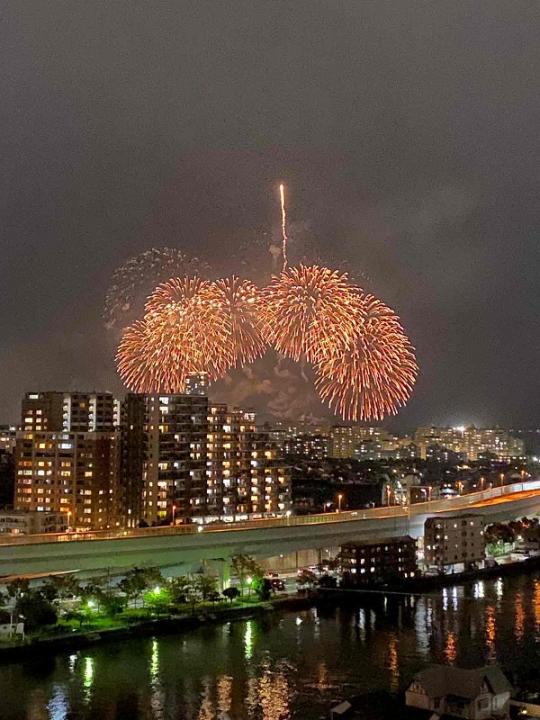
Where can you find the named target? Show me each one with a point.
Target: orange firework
(375, 374)
(186, 324)
(237, 305)
(191, 325)
(309, 311)
(148, 364)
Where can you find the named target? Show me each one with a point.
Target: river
(283, 666)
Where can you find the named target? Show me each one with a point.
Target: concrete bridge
(279, 543)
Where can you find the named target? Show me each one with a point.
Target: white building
(476, 694)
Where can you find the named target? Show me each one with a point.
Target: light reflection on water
(283, 667)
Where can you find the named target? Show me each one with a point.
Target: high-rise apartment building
(246, 474)
(174, 468)
(70, 472)
(345, 439)
(66, 457)
(308, 445)
(69, 411)
(182, 458)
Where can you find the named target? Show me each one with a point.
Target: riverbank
(153, 626)
(438, 582)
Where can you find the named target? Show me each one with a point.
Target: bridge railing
(423, 508)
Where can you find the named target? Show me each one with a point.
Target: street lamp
(339, 498)
(173, 513)
(288, 516)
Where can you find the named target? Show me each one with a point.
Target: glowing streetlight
(339, 498)
(173, 513)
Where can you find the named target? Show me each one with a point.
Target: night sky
(407, 134)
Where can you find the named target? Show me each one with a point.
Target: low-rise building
(476, 694)
(454, 540)
(378, 561)
(27, 522)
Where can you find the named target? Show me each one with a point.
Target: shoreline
(170, 624)
(437, 582)
(145, 628)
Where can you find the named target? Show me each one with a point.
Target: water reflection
(491, 631)
(393, 662)
(224, 696)
(450, 651)
(275, 668)
(88, 677)
(519, 623)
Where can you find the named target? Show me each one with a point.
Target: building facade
(307, 445)
(185, 459)
(21, 522)
(55, 411)
(379, 561)
(471, 443)
(73, 473)
(454, 540)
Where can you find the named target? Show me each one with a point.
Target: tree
(231, 593)
(205, 585)
(63, 587)
(139, 580)
(36, 611)
(180, 589)
(244, 567)
(17, 587)
(263, 588)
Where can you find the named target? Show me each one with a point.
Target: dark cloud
(407, 134)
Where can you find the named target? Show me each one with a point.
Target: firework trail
(283, 226)
(137, 277)
(374, 375)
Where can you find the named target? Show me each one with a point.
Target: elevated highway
(181, 548)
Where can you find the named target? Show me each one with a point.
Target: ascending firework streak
(283, 226)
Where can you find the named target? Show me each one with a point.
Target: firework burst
(374, 375)
(138, 276)
(309, 311)
(147, 363)
(191, 325)
(237, 303)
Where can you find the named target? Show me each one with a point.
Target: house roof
(441, 680)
